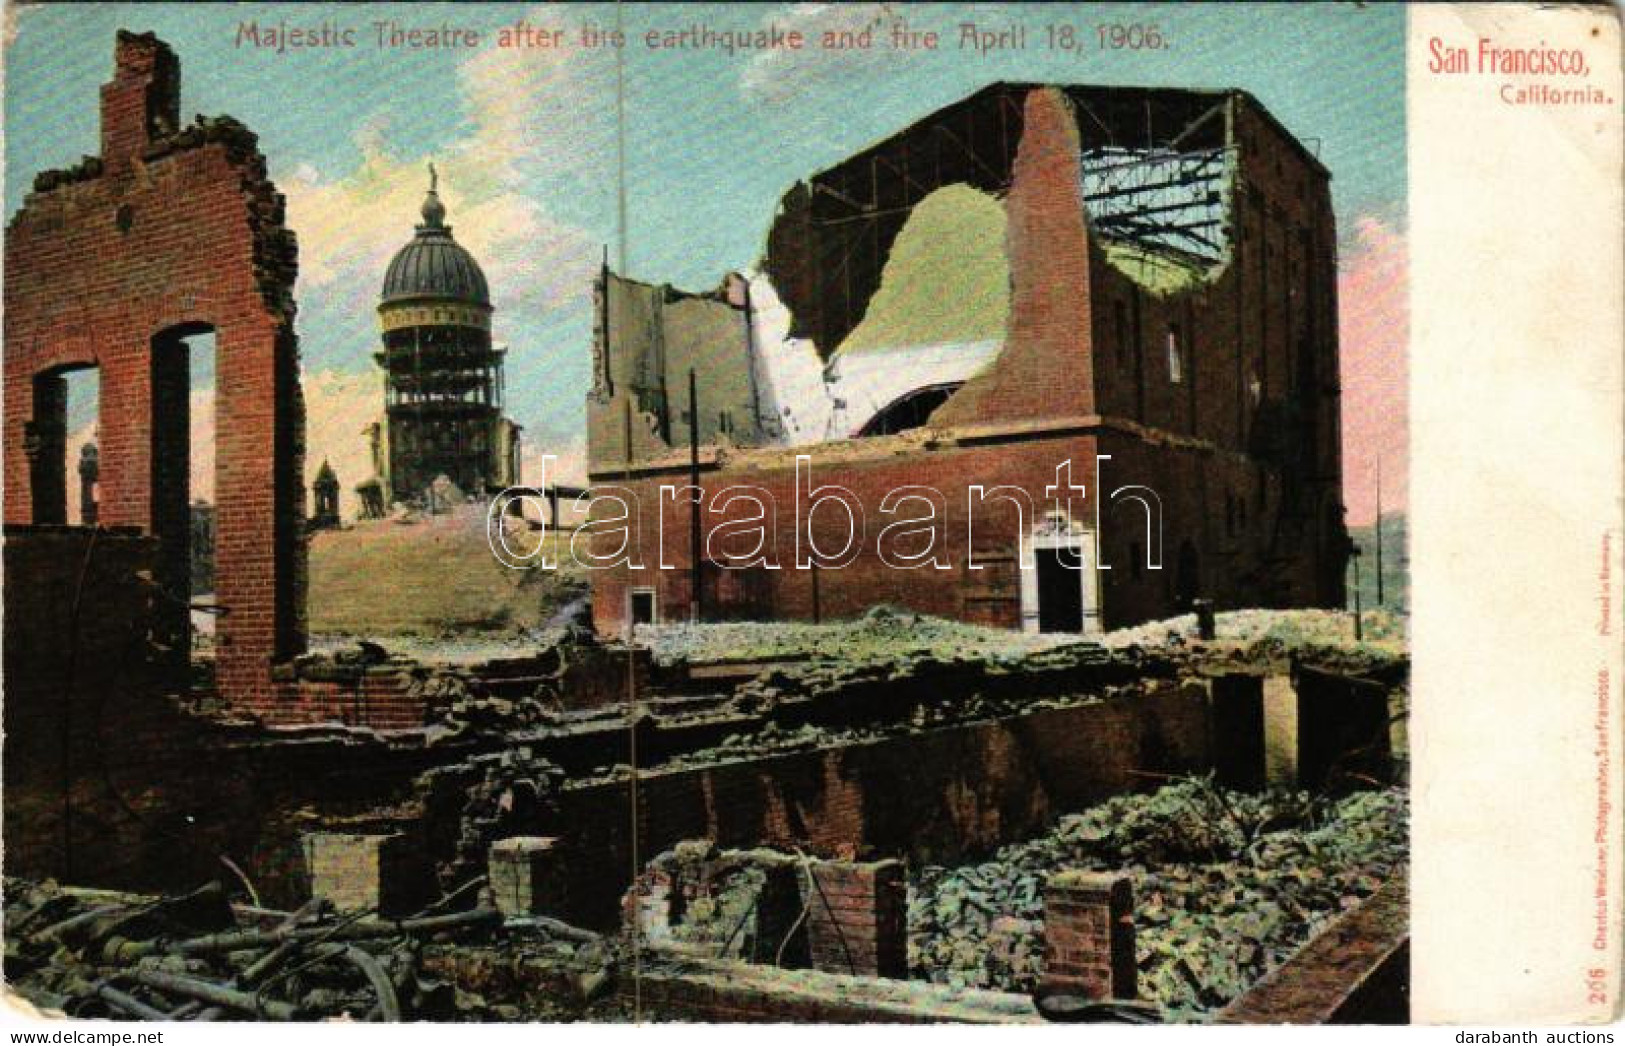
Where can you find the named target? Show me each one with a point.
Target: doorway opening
(1060, 596)
(1188, 578)
(1060, 589)
(62, 442)
(183, 480)
(641, 607)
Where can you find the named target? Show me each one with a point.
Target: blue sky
(526, 140)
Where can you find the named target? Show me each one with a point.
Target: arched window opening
(909, 411)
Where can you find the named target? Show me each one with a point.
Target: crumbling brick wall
(1047, 367)
(935, 796)
(168, 233)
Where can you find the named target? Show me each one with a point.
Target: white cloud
(530, 116)
(349, 229)
(537, 110)
(533, 114)
(10, 18)
(779, 75)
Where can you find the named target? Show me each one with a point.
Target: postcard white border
(1515, 514)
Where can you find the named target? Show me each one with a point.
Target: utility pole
(694, 505)
(620, 144)
(1359, 627)
(1380, 601)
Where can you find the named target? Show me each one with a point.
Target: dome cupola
(433, 266)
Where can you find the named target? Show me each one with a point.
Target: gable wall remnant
(170, 232)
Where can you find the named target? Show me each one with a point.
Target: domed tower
(442, 378)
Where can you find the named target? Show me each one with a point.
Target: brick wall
(990, 593)
(689, 989)
(857, 921)
(381, 697)
(934, 796)
(382, 872)
(1089, 935)
(109, 781)
(81, 693)
(78, 619)
(170, 232)
(1046, 368)
(1354, 971)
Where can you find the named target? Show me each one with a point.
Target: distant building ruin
(443, 383)
(1034, 275)
(203, 517)
(89, 471)
(325, 490)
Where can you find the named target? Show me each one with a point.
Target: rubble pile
(1226, 886)
(770, 737)
(441, 648)
(520, 691)
(459, 703)
(740, 905)
(888, 635)
(535, 969)
(487, 797)
(197, 957)
(1322, 636)
(882, 634)
(820, 704)
(726, 920)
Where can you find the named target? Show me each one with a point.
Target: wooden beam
(992, 175)
(1191, 128)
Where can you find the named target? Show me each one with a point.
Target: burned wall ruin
(170, 232)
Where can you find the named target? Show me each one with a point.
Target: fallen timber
(197, 957)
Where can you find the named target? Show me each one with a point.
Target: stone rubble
(1226, 885)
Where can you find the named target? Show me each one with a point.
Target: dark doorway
(643, 608)
(46, 437)
(1344, 733)
(1187, 578)
(1238, 731)
(1060, 590)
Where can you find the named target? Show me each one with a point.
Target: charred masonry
(1143, 274)
(602, 830)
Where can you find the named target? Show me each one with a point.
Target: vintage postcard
(997, 513)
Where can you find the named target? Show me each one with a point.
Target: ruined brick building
(1034, 275)
(442, 377)
(170, 232)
